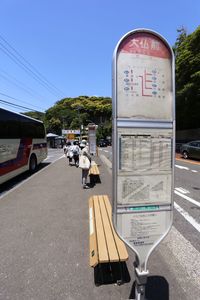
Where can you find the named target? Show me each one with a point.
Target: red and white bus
(22, 144)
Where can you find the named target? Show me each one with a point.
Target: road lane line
(182, 190)
(48, 157)
(185, 214)
(187, 198)
(181, 167)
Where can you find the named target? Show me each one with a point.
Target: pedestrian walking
(69, 152)
(84, 163)
(76, 152)
(83, 144)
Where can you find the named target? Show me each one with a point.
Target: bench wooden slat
(93, 240)
(94, 170)
(123, 254)
(105, 244)
(110, 241)
(101, 241)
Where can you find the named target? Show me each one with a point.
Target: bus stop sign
(143, 140)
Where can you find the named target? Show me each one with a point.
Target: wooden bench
(105, 245)
(94, 170)
(94, 174)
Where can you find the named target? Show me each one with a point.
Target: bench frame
(105, 245)
(94, 174)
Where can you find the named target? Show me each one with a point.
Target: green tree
(187, 52)
(35, 114)
(54, 126)
(74, 112)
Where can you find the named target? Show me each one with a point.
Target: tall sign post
(92, 138)
(143, 144)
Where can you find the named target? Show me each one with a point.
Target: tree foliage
(35, 115)
(71, 113)
(187, 52)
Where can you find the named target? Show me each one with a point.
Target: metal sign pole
(92, 138)
(141, 280)
(143, 144)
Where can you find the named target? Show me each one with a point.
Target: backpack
(75, 151)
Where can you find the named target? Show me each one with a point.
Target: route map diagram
(144, 87)
(144, 82)
(150, 189)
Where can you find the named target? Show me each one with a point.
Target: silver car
(191, 150)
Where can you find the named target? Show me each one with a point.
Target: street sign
(70, 131)
(143, 141)
(92, 138)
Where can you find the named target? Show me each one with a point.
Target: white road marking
(187, 198)
(182, 190)
(181, 167)
(49, 156)
(185, 214)
(185, 168)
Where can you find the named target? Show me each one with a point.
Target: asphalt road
(186, 223)
(44, 238)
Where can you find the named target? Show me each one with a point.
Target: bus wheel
(33, 163)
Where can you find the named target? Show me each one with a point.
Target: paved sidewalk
(44, 234)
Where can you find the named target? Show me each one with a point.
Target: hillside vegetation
(71, 113)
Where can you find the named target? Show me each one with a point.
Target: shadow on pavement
(20, 178)
(157, 288)
(94, 179)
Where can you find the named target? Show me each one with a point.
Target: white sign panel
(92, 138)
(142, 230)
(144, 78)
(143, 140)
(145, 166)
(70, 131)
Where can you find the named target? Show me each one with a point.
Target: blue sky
(71, 43)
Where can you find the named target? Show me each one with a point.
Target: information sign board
(143, 140)
(144, 78)
(70, 131)
(92, 138)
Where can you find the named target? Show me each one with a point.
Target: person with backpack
(75, 151)
(68, 152)
(84, 163)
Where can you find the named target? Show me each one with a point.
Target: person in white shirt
(85, 169)
(68, 152)
(76, 151)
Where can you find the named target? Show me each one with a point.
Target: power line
(5, 95)
(26, 69)
(28, 63)
(16, 105)
(51, 88)
(19, 84)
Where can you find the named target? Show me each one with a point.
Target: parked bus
(22, 144)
